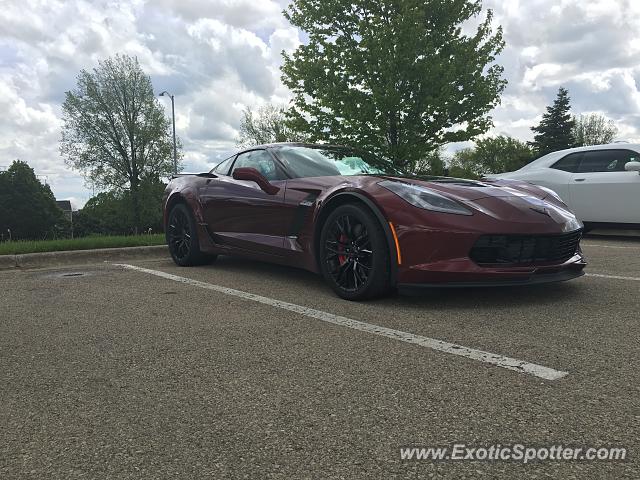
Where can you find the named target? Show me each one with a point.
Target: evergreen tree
(555, 131)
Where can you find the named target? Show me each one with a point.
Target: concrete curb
(81, 257)
(7, 261)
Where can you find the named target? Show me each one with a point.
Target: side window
(569, 163)
(606, 160)
(261, 161)
(223, 168)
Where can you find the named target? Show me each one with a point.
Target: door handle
(579, 179)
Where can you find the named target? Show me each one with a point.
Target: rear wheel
(182, 238)
(354, 256)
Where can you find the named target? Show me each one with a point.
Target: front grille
(525, 249)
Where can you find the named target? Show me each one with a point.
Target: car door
(239, 213)
(556, 176)
(603, 191)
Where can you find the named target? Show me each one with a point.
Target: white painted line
(607, 246)
(615, 277)
(432, 343)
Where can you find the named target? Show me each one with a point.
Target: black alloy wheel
(348, 253)
(354, 254)
(179, 234)
(182, 238)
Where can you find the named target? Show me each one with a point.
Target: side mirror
(632, 166)
(253, 175)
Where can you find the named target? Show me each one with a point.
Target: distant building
(65, 206)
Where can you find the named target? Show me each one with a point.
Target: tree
(464, 164)
(109, 213)
(491, 155)
(432, 163)
(593, 129)
(27, 207)
(555, 131)
(398, 78)
(115, 131)
(267, 125)
(103, 214)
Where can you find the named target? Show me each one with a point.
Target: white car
(600, 183)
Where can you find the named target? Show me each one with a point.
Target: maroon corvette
(367, 227)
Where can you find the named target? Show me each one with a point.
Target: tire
(354, 254)
(182, 238)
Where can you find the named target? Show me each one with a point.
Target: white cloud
(543, 75)
(589, 47)
(219, 56)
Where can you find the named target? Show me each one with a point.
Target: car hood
(503, 200)
(462, 189)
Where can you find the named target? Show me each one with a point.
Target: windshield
(330, 161)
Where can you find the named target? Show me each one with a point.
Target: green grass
(84, 243)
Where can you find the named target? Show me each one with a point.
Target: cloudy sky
(218, 56)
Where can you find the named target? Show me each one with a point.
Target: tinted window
(223, 168)
(262, 161)
(305, 162)
(569, 163)
(606, 160)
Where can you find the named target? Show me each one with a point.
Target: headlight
(425, 198)
(550, 192)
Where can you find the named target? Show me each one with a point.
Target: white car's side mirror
(632, 166)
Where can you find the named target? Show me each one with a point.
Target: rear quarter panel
(183, 189)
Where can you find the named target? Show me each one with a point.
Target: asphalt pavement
(110, 372)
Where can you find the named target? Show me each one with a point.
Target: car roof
(552, 157)
(605, 146)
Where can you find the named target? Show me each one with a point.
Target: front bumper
(437, 248)
(464, 272)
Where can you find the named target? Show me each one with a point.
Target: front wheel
(354, 255)
(182, 238)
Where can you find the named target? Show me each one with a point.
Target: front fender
(347, 195)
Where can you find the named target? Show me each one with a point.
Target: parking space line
(615, 277)
(432, 343)
(607, 246)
